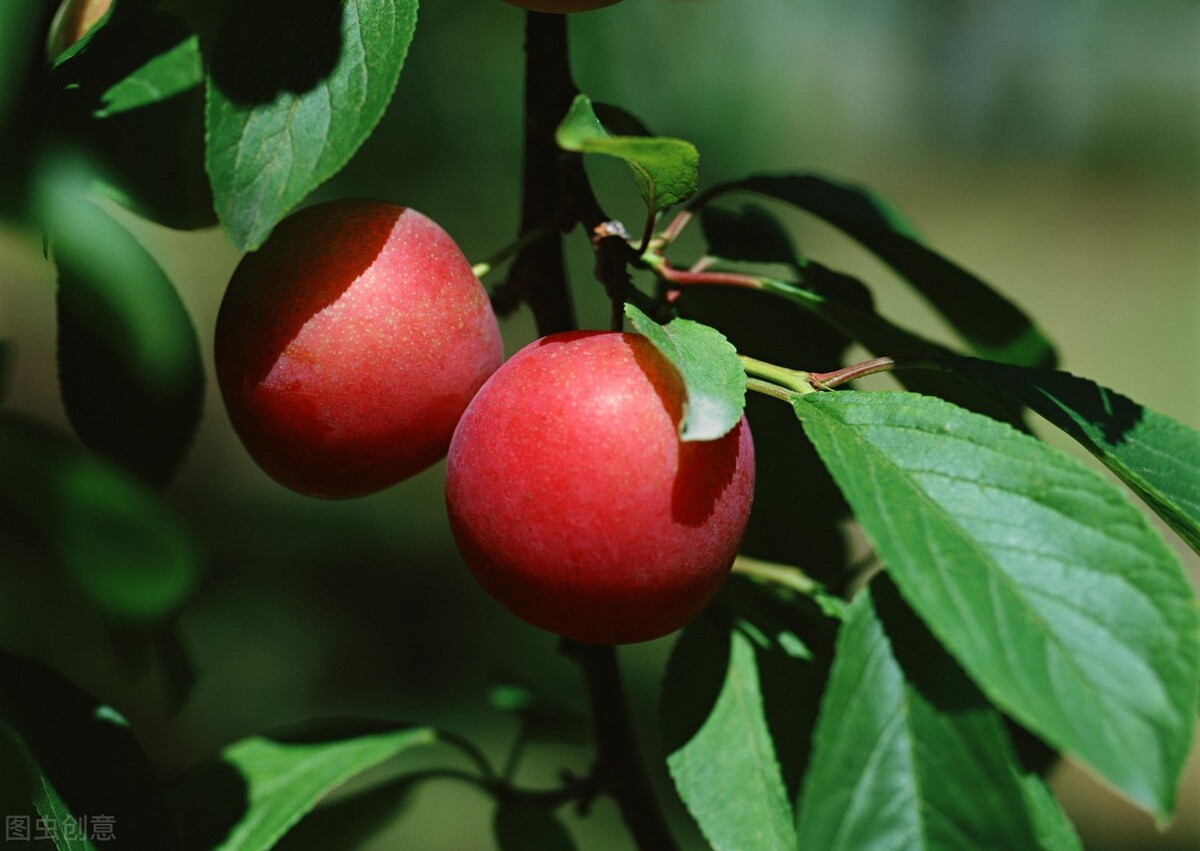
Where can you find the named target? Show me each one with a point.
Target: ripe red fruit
(576, 505)
(348, 346)
(561, 5)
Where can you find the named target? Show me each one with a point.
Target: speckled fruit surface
(561, 5)
(574, 502)
(348, 346)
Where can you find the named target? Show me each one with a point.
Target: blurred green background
(1051, 146)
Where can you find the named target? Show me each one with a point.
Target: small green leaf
(281, 779)
(521, 826)
(664, 168)
(989, 323)
(1054, 831)
(1047, 586)
(294, 88)
(907, 753)
(712, 373)
(172, 72)
(722, 757)
(68, 758)
(125, 549)
(129, 363)
(752, 235)
(1156, 456)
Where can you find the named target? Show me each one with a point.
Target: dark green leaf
(907, 753)
(751, 234)
(33, 809)
(711, 372)
(129, 363)
(294, 88)
(6, 362)
(521, 826)
(845, 303)
(261, 786)
(1054, 831)
(665, 169)
(543, 719)
(76, 759)
(1156, 456)
(1048, 587)
(993, 326)
(18, 28)
(620, 122)
(125, 549)
(722, 757)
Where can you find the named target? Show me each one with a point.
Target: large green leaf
(665, 169)
(1047, 586)
(123, 547)
(907, 752)
(261, 786)
(73, 762)
(991, 324)
(294, 88)
(722, 757)
(129, 362)
(712, 373)
(1158, 457)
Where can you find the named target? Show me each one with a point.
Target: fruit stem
(829, 380)
(795, 380)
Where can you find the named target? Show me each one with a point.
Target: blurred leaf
(125, 549)
(261, 786)
(168, 74)
(1048, 587)
(6, 363)
(907, 753)
(521, 826)
(129, 363)
(33, 789)
(751, 234)
(709, 366)
(992, 325)
(721, 755)
(665, 169)
(18, 39)
(79, 759)
(294, 88)
(543, 719)
(618, 121)
(1156, 456)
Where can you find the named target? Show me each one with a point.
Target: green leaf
(280, 779)
(521, 826)
(1047, 586)
(722, 757)
(988, 322)
(712, 373)
(1054, 831)
(1156, 456)
(751, 234)
(664, 168)
(907, 752)
(75, 758)
(18, 39)
(129, 362)
(543, 719)
(126, 550)
(172, 72)
(6, 362)
(294, 88)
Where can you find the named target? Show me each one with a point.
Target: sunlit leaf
(712, 373)
(1046, 585)
(907, 752)
(294, 88)
(1158, 457)
(711, 700)
(664, 168)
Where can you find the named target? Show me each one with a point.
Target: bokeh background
(1051, 146)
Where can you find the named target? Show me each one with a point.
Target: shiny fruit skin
(348, 346)
(576, 505)
(561, 6)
